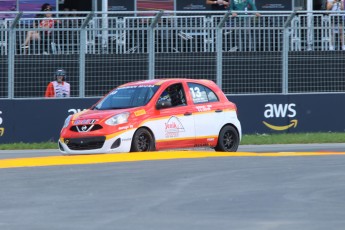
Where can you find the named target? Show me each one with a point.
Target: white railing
(284, 52)
(186, 33)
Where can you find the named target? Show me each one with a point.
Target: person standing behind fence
(218, 4)
(242, 5)
(59, 87)
(337, 22)
(243, 40)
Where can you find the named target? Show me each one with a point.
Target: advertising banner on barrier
(34, 5)
(155, 5)
(118, 5)
(7, 129)
(274, 5)
(191, 5)
(37, 120)
(41, 120)
(22, 5)
(290, 113)
(8, 5)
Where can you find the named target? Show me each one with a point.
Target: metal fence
(280, 52)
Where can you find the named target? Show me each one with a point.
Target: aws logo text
(74, 111)
(2, 129)
(280, 110)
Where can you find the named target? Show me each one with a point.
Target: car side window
(174, 94)
(212, 97)
(201, 93)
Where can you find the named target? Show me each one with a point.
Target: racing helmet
(175, 94)
(60, 72)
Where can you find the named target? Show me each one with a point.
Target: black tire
(228, 139)
(142, 141)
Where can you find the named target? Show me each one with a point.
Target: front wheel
(228, 139)
(142, 141)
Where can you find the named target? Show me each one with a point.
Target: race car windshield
(127, 97)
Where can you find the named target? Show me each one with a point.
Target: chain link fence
(277, 53)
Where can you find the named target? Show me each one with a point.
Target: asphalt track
(266, 187)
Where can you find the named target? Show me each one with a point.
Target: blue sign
(41, 120)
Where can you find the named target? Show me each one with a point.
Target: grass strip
(253, 139)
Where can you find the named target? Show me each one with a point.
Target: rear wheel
(142, 141)
(228, 139)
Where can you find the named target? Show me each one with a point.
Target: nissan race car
(154, 115)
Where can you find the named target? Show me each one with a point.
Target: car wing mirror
(163, 104)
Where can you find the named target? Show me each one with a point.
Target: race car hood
(98, 115)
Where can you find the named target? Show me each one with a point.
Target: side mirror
(163, 104)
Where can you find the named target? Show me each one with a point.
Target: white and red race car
(154, 115)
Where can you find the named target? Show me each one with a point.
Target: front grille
(85, 128)
(85, 143)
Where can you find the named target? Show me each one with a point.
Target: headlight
(118, 119)
(68, 119)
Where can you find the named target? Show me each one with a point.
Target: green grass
(256, 139)
(21, 145)
(293, 138)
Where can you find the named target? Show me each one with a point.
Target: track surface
(9, 154)
(248, 191)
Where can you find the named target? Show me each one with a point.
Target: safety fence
(276, 53)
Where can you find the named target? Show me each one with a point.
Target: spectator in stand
(243, 41)
(66, 14)
(218, 4)
(243, 5)
(46, 22)
(337, 22)
(59, 87)
(31, 35)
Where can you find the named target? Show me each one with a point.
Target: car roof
(165, 80)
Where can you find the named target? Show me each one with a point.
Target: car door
(174, 125)
(209, 116)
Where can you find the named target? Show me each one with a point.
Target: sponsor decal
(2, 129)
(85, 122)
(202, 145)
(283, 111)
(126, 139)
(140, 112)
(135, 86)
(146, 86)
(173, 127)
(204, 108)
(126, 87)
(126, 127)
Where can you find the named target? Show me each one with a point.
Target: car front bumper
(97, 144)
